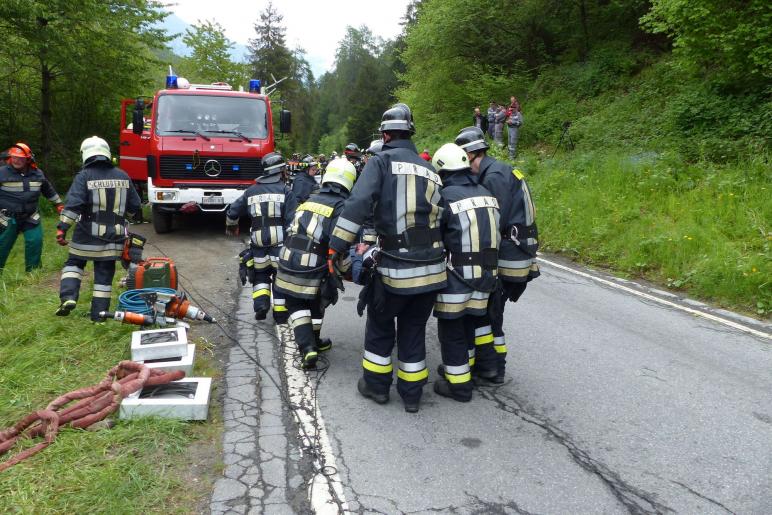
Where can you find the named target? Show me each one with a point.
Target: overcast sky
(316, 26)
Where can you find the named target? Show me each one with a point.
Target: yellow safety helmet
(340, 171)
(450, 157)
(94, 146)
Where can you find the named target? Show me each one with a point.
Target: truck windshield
(223, 116)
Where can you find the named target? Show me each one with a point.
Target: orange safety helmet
(20, 150)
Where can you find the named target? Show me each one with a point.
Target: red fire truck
(196, 147)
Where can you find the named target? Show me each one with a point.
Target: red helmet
(20, 150)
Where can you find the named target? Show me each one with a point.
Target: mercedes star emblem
(212, 168)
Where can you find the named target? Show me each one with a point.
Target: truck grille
(232, 168)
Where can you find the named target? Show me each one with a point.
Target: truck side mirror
(285, 121)
(138, 117)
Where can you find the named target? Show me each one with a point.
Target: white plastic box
(159, 344)
(184, 363)
(170, 400)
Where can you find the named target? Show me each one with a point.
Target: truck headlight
(167, 196)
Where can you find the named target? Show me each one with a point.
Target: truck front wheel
(162, 220)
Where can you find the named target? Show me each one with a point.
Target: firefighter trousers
(457, 338)
(411, 312)
(262, 294)
(72, 275)
(33, 245)
(305, 319)
(498, 351)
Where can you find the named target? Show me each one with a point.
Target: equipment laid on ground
(565, 135)
(159, 343)
(93, 404)
(183, 363)
(186, 399)
(160, 306)
(154, 272)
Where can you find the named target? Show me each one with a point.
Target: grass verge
(701, 228)
(138, 466)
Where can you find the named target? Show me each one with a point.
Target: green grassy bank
(139, 466)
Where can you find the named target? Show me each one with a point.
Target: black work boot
(309, 359)
(260, 314)
(442, 387)
(65, 307)
(324, 344)
(411, 406)
(364, 389)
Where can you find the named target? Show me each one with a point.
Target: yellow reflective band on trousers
(378, 369)
(279, 308)
(260, 293)
(483, 339)
(462, 378)
(501, 349)
(413, 376)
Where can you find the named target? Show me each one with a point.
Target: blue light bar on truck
(254, 86)
(171, 82)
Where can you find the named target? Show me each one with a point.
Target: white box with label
(159, 343)
(186, 399)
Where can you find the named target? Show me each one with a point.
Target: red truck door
(135, 144)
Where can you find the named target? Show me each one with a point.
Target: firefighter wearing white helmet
(401, 192)
(303, 277)
(517, 254)
(470, 221)
(97, 203)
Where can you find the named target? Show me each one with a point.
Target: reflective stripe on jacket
(19, 194)
(402, 193)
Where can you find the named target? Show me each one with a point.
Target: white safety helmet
(340, 171)
(450, 157)
(94, 146)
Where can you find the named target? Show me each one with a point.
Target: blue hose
(132, 300)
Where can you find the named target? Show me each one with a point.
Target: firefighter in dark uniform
(21, 184)
(303, 260)
(97, 204)
(470, 228)
(354, 156)
(367, 234)
(404, 192)
(271, 206)
(517, 254)
(304, 184)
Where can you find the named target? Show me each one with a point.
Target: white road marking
(696, 312)
(301, 393)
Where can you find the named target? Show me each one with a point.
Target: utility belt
(262, 222)
(104, 218)
(519, 232)
(486, 258)
(415, 237)
(305, 244)
(24, 212)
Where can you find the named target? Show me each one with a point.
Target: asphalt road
(613, 404)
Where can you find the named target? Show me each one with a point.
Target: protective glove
(59, 208)
(331, 257)
(60, 238)
(232, 230)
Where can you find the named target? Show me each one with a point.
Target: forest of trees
(66, 65)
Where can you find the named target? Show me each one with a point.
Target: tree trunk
(585, 33)
(45, 108)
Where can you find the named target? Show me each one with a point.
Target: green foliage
(727, 39)
(143, 462)
(67, 64)
(701, 228)
(353, 96)
(269, 57)
(210, 56)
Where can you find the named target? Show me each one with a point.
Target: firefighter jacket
(470, 228)
(402, 192)
(19, 194)
(517, 257)
(97, 203)
(303, 186)
(271, 206)
(303, 259)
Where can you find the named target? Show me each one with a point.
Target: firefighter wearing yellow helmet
(303, 277)
(97, 203)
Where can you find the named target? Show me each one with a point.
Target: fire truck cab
(196, 147)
